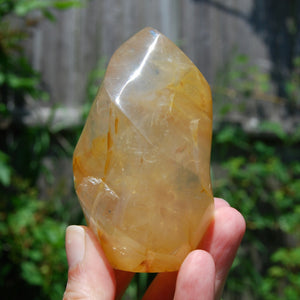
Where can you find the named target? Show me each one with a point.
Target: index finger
(222, 240)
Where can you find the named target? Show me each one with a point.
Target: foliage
(292, 86)
(238, 82)
(265, 186)
(261, 178)
(32, 248)
(32, 256)
(17, 78)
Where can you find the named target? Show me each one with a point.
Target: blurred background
(53, 56)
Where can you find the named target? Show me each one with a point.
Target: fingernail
(75, 245)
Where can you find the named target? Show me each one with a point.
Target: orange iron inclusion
(142, 163)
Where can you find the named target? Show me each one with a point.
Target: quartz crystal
(142, 163)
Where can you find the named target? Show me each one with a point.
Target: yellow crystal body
(142, 163)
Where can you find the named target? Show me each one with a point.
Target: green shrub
(264, 186)
(32, 255)
(259, 174)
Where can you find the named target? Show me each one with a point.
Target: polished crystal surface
(142, 163)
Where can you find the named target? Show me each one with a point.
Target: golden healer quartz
(142, 163)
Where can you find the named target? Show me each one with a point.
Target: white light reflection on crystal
(138, 71)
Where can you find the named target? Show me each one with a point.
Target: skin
(202, 275)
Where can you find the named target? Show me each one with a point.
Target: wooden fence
(208, 31)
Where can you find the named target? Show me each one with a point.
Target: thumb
(90, 276)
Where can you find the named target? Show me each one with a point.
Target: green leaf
(277, 271)
(18, 82)
(290, 87)
(234, 165)
(264, 149)
(273, 127)
(23, 7)
(35, 255)
(226, 135)
(5, 169)
(67, 4)
(31, 273)
(242, 59)
(287, 257)
(49, 15)
(5, 174)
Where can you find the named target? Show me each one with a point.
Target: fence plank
(207, 30)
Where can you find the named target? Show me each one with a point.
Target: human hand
(202, 275)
